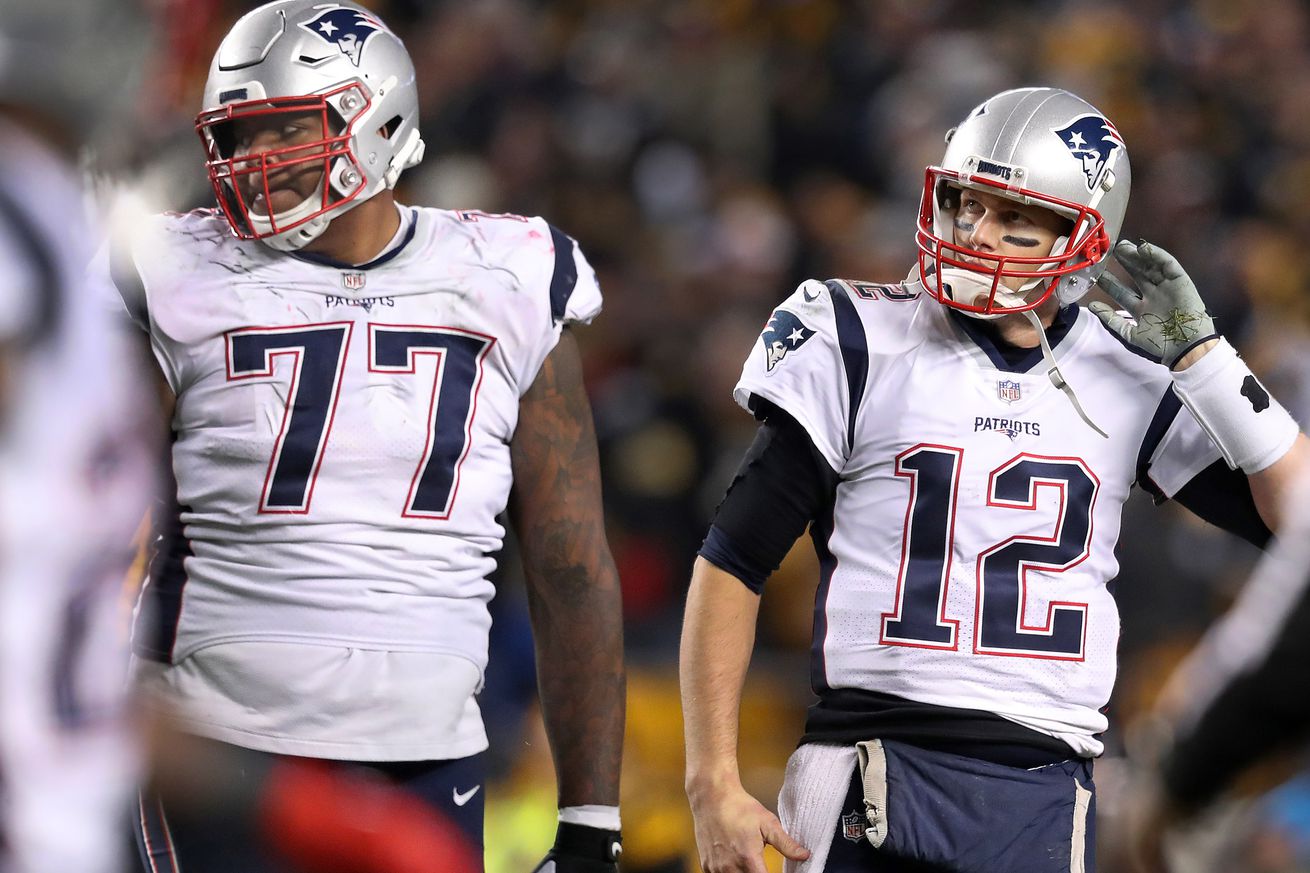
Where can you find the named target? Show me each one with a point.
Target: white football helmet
(295, 56)
(1037, 146)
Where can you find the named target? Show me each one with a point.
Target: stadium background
(708, 155)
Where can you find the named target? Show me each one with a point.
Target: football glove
(1168, 316)
(582, 849)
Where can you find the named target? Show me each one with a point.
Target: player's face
(289, 142)
(1001, 227)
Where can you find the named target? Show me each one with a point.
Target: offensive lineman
(961, 445)
(358, 384)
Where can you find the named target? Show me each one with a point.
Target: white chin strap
(296, 238)
(966, 286)
(965, 282)
(1053, 371)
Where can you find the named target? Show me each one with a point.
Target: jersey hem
(334, 750)
(180, 654)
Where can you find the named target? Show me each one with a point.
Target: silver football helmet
(336, 61)
(1038, 146)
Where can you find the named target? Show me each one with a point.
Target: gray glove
(1168, 316)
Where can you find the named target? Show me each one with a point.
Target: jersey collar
(1008, 358)
(408, 225)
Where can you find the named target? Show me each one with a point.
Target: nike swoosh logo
(809, 298)
(461, 799)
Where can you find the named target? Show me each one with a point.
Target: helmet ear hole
(225, 140)
(389, 129)
(948, 196)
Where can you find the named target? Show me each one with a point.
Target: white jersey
(75, 482)
(342, 454)
(972, 535)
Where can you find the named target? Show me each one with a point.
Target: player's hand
(1168, 315)
(732, 829)
(582, 849)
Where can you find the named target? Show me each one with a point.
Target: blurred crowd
(710, 154)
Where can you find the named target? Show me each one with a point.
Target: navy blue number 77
(318, 353)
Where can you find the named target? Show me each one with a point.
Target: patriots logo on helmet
(1092, 140)
(784, 333)
(347, 29)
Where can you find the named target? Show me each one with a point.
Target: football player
(361, 389)
(960, 445)
(76, 472)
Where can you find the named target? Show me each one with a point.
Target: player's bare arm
(573, 586)
(718, 633)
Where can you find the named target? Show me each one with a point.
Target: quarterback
(361, 390)
(960, 446)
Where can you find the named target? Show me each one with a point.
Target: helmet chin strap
(296, 238)
(956, 279)
(1053, 371)
(966, 285)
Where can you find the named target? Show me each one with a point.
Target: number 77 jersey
(972, 530)
(342, 434)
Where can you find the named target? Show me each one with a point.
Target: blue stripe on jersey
(820, 532)
(854, 352)
(1165, 413)
(48, 290)
(565, 277)
(160, 606)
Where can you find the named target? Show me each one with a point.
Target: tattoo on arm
(573, 586)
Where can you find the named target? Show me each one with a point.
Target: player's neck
(1017, 330)
(360, 235)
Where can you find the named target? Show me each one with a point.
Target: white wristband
(1251, 428)
(592, 815)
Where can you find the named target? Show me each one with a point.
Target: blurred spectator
(76, 447)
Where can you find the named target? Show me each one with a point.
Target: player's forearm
(718, 633)
(577, 624)
(1271, 486)
(573, 587)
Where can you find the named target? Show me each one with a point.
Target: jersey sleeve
(556, 277)
(131, 271)
(807, 362)
(574, 289)
(1175, 449)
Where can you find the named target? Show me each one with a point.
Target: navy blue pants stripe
(153, 837)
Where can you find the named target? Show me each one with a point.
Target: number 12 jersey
(972, 532)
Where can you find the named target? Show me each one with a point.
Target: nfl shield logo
(852, 827)
(1007, 390)
(352, 281)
